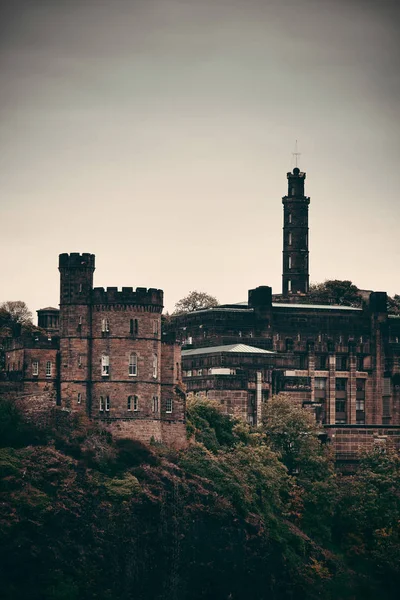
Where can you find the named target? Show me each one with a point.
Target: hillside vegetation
(241, 514)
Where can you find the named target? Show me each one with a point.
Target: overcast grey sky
(157, 134)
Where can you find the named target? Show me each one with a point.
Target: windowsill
(105, 375)
(131, 375)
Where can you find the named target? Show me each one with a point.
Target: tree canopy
(343, 293)
(14, 314)
(194, 301)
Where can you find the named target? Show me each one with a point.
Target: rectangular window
(188, 373)
(105, 365)
(290, 239)
(290, 262)
(155, 366)
(79, 360)
(360, 404)
(155, 326)
(35, 368)
(129, 405)
(289, 285)
(290, 218)
(107, 403)
(341, 363)
(155, 404)
(80, 288)
(320, 383)
(341, 385)
(101, 404)
(199, 372)
(48, 368)
(105, 326)
(80, 321)
(133, 365)
(340, 406)
(135, 403)
(79, 397)
(168, 407)
(360, 363)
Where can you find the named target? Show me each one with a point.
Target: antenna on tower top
(296, 154)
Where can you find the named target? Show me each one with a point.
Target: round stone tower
(295, 272)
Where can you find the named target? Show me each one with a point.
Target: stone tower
(76, 285)
(295, 274)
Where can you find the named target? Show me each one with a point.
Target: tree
(15, 312)
(394, 305)
(194, 301)
(336, 291)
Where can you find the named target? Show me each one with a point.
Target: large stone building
(101, 355)
(341, 362)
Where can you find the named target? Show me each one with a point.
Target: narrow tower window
(105, 365)
(48, 369)
(155, 404)
(168, 405)
(155, 326)
(105, 327)
(290, 262)
(107, 403)
(290, 238)
(133, 326)
(79, 397)
(155, 366)
(133, 365)
(290, 218)
(289, 285)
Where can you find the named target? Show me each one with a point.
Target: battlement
(141, 296)
(74, 260)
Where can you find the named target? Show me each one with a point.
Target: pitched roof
(236, 348)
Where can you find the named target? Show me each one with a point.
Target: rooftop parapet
(141, 296)
(76, 261)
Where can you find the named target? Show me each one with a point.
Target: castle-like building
(102, 355)
(340, 362)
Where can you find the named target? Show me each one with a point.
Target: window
(290, 262)
(177, 371)
(48, 369)
(35, 368)
(107, 403)
(105, 365)
(321, 361)
(290, 238)
(79, 398)
(133, 403)
(341, 385)
(80, 288)
(155, 366)
(79, 360)
(340, 406)
(168, 407)
(133, 365)
(289, 285)
(199, 372)
(155, 326)
(293, 191)
(79, 322)
(290, 218)
(105, 326)
(188, 373)
(155, 404)
(133, 326)
(360, 363)
(101, 404)
(320, 383)
(289, 345)
(360, 404)
(341, 363)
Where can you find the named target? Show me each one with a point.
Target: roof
(48, 308)
(301, 306)
(315, 306)
(235, 348)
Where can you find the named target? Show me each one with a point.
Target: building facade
(340, 362)
(101, 355)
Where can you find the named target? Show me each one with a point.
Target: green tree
(394, 305)
(343, 293)
(194, 301)
(14, 315)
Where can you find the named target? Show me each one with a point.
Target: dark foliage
(83, 516)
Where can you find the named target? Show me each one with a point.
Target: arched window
(133, 365)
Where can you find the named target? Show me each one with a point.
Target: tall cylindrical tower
(295, 271)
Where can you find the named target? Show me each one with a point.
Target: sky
(157, 134)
